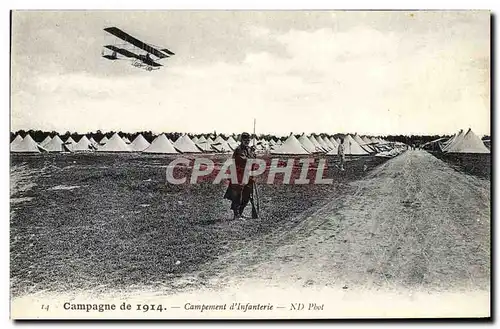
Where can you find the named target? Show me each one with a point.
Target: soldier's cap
(245, 136)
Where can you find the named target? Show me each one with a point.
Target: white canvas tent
(307, 144)
(327, 142)
(220, 145)
(104, 140)
(93, 142)
(219, 139)
(257, 143)
(46, 141)
(290, 146)
(205, 147)
(316, 144)
(351, 147)
(139, 143)
(70, 144)
(161, 144)
(83, 145)
(468, 143)
(70, 141)
(362, 143)
(445, 143)
(452, 138)
(184, 144)
(321, 143)
(265, 144)
(27, 145)
(18, 139)
(56, 145)
(232, 142)
(334, 147)
(457, 137)
(115, 144)
(366, 140)
(333, 141)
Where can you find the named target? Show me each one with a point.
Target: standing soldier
(238, 193)
(341, 154)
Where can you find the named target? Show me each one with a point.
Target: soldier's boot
(240, 211)
(236, 214)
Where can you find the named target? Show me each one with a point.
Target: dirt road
(414, 222)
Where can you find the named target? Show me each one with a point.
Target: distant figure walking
(341, 155)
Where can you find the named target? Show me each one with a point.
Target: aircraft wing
(136, 42)
(112, 58)
(130, 54)
(122, 51)
(167, 51)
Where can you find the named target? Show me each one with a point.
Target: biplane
(141, 54)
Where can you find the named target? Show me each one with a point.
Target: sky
(365, 72)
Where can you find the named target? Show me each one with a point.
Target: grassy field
(95, 221)
(472, 164)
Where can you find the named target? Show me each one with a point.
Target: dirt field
(95, 222)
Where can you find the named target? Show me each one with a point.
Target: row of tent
(353, 145)
(460, 142)
(161, 144)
